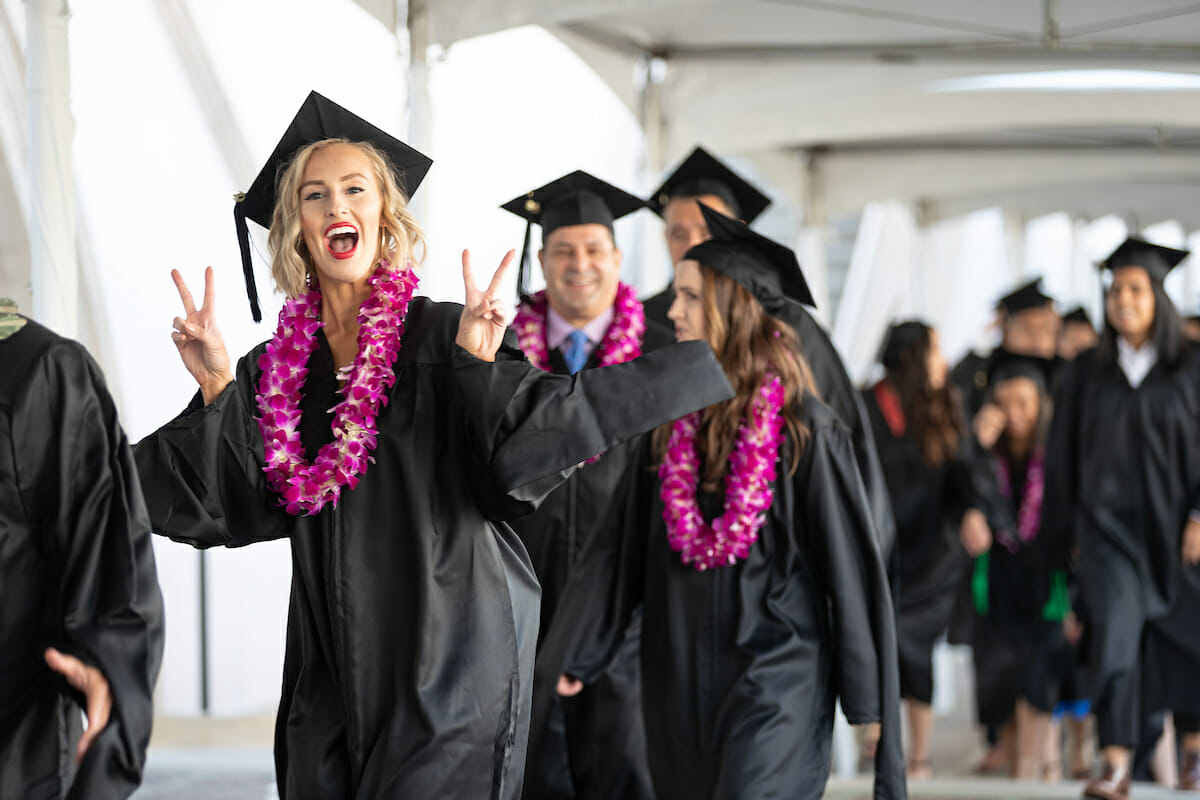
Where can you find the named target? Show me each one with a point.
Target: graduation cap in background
(318, 118)
(899, 339)
(1078, 314)
(574, 199)
(1007, 365)
(1024, 297)
(766, 268)
(701, 174)
(1154, 258)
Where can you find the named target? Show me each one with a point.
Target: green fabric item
(979, 584)
(1059, 604)
(10, 320)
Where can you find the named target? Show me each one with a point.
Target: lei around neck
(306, 487)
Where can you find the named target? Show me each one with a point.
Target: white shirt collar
(1136, 363)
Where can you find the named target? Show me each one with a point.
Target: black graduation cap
(318, 118)
(701, 174)
(1078, 314)
(900, 337)
(1006, 364)
(768, 269)
(1024, 297)
(574, 199)
(1154, 258)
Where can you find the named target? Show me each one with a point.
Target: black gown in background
(741, 665)
(591, 746)
(928, 502)
(76, 573)
(1122, 474)
(414, 608)
(833, 386)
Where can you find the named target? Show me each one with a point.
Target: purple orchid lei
(1029, 515)
(303, 487)
(622, 342)
(748, 492)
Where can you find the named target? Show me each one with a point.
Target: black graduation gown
(833, 386)
(414, 608)
(76, 573)
(591, 745)
(741, 664)
(1122, 474)
(928, 503)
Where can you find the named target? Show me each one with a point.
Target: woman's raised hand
(199, 341)
(483, 322)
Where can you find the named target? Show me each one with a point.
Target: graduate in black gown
(701, 177)
(927, 459)
(748, 541)
(1123, 489)
(81, 622)
(1077, 333)
(592, 745)
(414, 607)
(1022, 654)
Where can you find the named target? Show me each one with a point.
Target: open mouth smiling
(341, 240)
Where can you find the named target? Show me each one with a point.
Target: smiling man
(592, 745)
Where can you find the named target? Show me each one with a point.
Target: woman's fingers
(210, 290)
(189, 305)
(501, 271)
(468, 275)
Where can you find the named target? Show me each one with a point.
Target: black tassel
(243, 237)
(523, 267)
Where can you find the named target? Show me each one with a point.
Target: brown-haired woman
(919, 433)
(748, 542)
(414, 607)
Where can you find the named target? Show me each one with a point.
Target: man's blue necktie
(574, 354)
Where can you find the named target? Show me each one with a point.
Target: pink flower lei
(622, 342)
(305, 488)
(1029, 515)
(748, 492)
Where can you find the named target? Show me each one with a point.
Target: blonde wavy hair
(400, 237)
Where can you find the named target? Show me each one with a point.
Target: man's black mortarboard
(766, 268)
(1006, 365)
(1078, 314)
(1154, 258)
(701, 174)
(900, 338)
(1024, 297)
(318, 118)
(575, 199)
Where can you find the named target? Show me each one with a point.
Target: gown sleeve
(202, 472)
(865, 662)
(80, 483)
(530, 427)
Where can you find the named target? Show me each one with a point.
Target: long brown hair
(748, 342)
(933, 415)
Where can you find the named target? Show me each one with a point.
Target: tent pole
(54, 268)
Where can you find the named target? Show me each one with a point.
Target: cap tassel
(243, 237)
(523, 268)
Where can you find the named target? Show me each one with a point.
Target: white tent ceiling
(865, 92)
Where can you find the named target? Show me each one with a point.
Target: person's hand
(988, 425)
(1072, 628)
(568, 686)
(1191, 542)
(199, 341)
(89, 682)
(482, 325)
(974, 532)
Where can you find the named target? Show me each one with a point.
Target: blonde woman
(388, 437)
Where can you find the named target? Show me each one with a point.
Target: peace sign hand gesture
(199, 341)
(482, 325)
